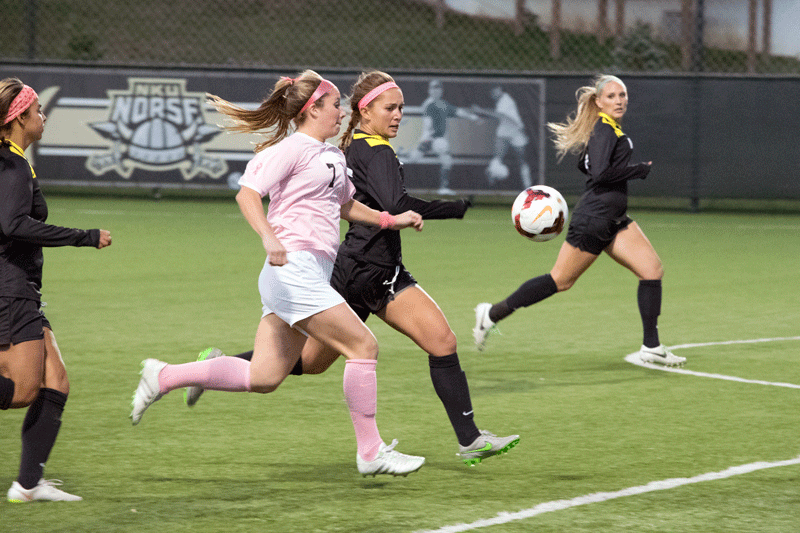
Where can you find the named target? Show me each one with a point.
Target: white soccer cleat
(483, 325)
(660, 355)
(44, 491)
(192, 394)
(389, 461)
(486, 445)
(148, 390)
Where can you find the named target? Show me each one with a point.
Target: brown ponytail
(276, 113)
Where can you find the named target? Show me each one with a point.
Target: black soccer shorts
(21, 320)
(367, 287)
(594, 234)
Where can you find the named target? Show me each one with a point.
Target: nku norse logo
(156, 125)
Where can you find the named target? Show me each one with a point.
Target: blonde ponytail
(572, 135)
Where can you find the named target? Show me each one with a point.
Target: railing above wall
(709, 36)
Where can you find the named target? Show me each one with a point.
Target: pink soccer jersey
(307, 182)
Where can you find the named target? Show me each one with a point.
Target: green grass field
(181, 276)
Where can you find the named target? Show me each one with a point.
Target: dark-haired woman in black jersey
(32, 372)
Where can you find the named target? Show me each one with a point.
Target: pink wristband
(386, 220)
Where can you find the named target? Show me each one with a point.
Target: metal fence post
(697, 68)
(31, 16)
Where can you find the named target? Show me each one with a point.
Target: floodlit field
(597, 432)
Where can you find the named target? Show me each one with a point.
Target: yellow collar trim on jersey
(20, 152)
(611, 122)
(372, 140)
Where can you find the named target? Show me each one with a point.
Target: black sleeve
(16, 222)
(386, 187)
(603, 168)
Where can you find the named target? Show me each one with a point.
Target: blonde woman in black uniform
(32, 372)
(369, 271)
(599, 221)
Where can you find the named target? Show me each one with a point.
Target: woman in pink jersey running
(309, 190)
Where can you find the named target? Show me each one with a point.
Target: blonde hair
(9, 89)
(573, 135)
(276, 112)
(364, 84)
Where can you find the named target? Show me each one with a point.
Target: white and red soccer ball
(539, 213)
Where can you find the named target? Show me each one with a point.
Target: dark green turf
(181, 276)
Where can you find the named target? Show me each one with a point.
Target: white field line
(598, 497)
(724, 343)
(666, 484)
(634, 359)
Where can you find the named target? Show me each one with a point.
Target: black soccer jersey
(23, 231)
(380, 184)
(606, 163)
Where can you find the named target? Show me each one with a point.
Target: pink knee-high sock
(361, 392)
(221, 373)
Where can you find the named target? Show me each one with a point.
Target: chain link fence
(452, 35)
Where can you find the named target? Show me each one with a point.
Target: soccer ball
(539, 213)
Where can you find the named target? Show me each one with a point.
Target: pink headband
(19, 104)
(324, 87)
(370, 96)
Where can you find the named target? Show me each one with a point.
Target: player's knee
(444, 344)
(450, 342)
(60, 385)
(368, 347)
(264, 381)
(563, 280)
(264, 386)
(59, 382)
(563, 283)
(24, 395)
(655, 271)
(363, 345)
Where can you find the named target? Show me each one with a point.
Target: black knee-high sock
(39, 432)
(6, 393)
(297, 370)
(649, 298)
(450, 384)
(532, 291)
